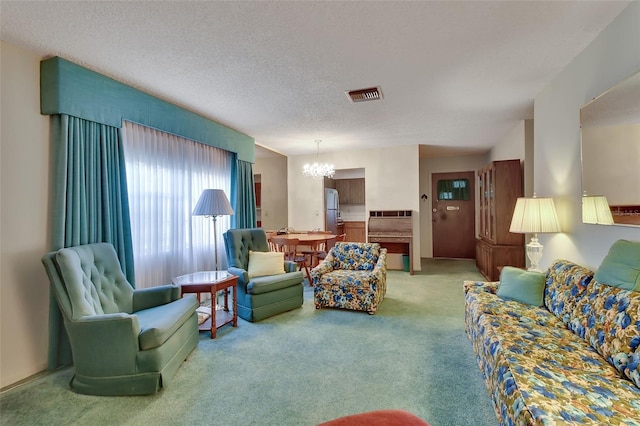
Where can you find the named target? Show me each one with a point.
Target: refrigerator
(331, 208)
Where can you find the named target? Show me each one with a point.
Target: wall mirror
(610, 144)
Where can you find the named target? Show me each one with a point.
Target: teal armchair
(261, 297)
(123, 341)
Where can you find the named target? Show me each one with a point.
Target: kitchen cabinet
(355, 232)
(351, 191)
(500, 185)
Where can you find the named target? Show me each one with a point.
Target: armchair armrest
(242, 274)
(155, 296)
(322, 268)
(480, 286)
(381, 264)
(105, 345)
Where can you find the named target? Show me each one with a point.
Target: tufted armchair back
(92, 281)
(355, 256)
(238, 242)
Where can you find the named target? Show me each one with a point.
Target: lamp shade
(534, 215)
(595, 209)
(213, 202)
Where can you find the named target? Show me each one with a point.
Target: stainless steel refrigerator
(331, 208)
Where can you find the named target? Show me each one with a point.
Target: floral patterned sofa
(574, 360)
(352, 276)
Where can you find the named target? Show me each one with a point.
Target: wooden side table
(212, 282)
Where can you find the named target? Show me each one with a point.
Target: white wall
(518, 143)
(612, 57)
(511, 146)
(24, 212)
(391, 183)
(273, 175)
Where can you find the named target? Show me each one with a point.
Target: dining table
(310, 240)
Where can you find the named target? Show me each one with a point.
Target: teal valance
(68, 88)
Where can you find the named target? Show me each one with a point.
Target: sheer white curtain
(165, 176)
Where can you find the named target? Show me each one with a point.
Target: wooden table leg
(235, 306)
(214, 301)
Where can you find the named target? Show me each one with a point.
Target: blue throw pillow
(621, 267)
(521, 286)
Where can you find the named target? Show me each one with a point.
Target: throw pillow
(521, 286)
(265, 263)
(621, 267)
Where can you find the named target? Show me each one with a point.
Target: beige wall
(24, 230)
(391, 183)
(611, 156)
(610, 58)
(441, 165)
(273, 175)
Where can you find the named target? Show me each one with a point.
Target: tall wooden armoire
(500, 184)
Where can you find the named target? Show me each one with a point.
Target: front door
(453, 215)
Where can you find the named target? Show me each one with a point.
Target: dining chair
(289, 246)
(269, 236)
(328, 245)
(316, 248)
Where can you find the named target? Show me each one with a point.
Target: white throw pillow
(265, 263)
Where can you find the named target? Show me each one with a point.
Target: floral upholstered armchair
(352, 276)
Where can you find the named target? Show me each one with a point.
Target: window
(453, 189)
(165, 177)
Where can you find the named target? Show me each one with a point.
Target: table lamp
(534, 216)
(213, 203)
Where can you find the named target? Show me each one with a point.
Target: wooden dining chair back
(270, 235)
(285, 245)
(289, 246)
(313, 249)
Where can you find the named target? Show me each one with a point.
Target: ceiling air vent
(363, 95)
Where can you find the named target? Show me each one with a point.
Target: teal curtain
(89, 205)
(243, 195)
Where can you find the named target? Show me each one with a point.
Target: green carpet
(304, 367)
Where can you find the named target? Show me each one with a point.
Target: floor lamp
(213, 203)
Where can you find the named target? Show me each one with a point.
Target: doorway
(453, 215)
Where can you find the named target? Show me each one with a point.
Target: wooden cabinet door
(355, 232)
(351, 191)
(356, 191)
(344, 193)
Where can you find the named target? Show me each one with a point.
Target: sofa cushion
(259, 285)
(522, 286)
(159, 323)
(609, 319)
(263, 263)
(621, 266)
(565, 285)
(356, 256)
(481, 302)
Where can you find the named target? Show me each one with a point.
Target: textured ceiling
(456, 74)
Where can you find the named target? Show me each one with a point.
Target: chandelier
(317, 169)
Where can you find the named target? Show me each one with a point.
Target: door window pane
(453, 189)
